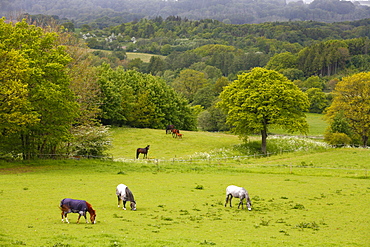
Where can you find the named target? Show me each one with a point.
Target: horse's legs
(124, 205)
(64, 215)
(78, 220)
(228, 198)
(119, 200)
(241, 202)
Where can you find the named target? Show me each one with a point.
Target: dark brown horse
(68, 205)
(142, 151)
(169, 128)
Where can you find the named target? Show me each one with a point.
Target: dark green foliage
(142, 100)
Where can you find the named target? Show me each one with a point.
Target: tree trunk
(364, 140)
(264, 141)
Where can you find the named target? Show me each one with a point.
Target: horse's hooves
(124, 208)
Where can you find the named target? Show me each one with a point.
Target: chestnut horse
(68, 205)
(142, 151)
(175, 132)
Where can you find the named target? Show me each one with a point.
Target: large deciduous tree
(352, 97)
(264, 98)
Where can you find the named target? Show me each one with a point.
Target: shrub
(337, 139)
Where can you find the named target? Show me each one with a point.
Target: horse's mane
(64, 208)
(90, 209)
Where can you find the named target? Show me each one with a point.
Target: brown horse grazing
(175, 132)
(142, 151)
(68, 205)
(169, 128)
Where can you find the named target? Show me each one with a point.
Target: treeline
(103, 14)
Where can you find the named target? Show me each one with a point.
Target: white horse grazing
(238, 192)
(124, 194)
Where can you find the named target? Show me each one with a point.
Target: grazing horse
(124, 194)
(169, 128)
(238, 192)
(68, 205)
(175, 132)
(142, 151)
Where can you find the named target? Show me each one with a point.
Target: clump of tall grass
(275, 145)
(278, 144)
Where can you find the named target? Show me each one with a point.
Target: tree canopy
(263, 98)
(352, 99)
(35, 88)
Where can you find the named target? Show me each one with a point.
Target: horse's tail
(137, 153)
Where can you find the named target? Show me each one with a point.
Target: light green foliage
(318, 100)
(43, 84)
(189, 82)
(338, 139)
(352, 97)
(264, 98)
(15, 107)
(282, 61)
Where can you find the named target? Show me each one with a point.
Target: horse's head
(147, 147)
(249, 203)
(133, 205)
(92, 213)
(92, 216)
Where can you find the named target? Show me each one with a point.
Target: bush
(337, 139)
(90, 140)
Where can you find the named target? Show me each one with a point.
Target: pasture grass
(182, 204)
(316, 122)
(311, 196)
(145, 57)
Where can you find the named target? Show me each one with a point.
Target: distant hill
(228, 11)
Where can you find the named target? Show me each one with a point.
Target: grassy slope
(127, 140)
(316, 122)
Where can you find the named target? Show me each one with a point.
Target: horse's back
(120, 188)
(76, 206)
(236, 191)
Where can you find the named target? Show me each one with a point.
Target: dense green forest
(111, 12)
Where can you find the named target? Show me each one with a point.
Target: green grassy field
(180, 205)
(303, 198)
(145, 57)
(316, 122)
